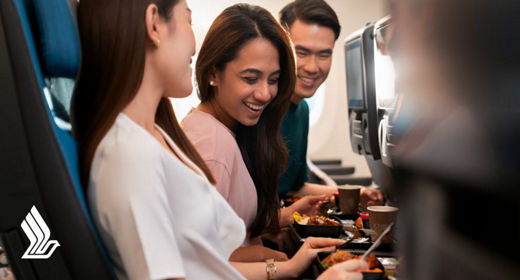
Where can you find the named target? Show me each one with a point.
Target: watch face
(270, 269)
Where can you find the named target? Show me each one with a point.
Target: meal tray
(366, 275)
(318, 231)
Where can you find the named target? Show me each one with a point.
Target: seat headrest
(58, 38)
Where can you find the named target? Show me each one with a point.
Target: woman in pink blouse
(246, 74)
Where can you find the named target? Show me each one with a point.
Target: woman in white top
(148, 189)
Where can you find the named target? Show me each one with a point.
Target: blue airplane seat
(39, 60)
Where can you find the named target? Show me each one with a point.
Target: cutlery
(377, 242)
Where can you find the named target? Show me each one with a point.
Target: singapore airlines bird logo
(38, 233)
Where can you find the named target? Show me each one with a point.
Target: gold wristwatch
(270, 269)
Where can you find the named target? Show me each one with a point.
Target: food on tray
(375, 270)
(357, 234)
(359, 223)
(314, 220)
(372, 261)
(337, 257)
(342, 256)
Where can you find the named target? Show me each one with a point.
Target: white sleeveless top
(156, 216)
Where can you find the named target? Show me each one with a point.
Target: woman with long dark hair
(135, 160)
(246, 75)
(140, 170)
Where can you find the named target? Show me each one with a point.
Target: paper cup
(379, 218)
(349, 199)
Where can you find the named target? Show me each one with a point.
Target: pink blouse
(217, 146)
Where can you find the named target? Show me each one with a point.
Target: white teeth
(254, 107)
(306, 79)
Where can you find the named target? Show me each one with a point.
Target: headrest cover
(59, 39)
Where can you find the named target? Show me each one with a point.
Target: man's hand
(369, 197)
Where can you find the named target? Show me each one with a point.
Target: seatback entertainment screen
(355, 77)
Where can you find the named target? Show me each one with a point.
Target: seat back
(39, 51)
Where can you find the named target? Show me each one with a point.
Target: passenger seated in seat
(314, 28)
(245, 84)
(148, 189)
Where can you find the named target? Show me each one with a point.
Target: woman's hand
(306, 205)
(308, 251)
(344, 271)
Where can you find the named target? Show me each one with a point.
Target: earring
(211, 83)
(158, 42)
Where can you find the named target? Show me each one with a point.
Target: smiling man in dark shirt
(314, 28)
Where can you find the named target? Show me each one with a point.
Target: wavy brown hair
(113, 41)
(262, 147)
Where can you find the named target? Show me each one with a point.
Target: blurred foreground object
(457, 160)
